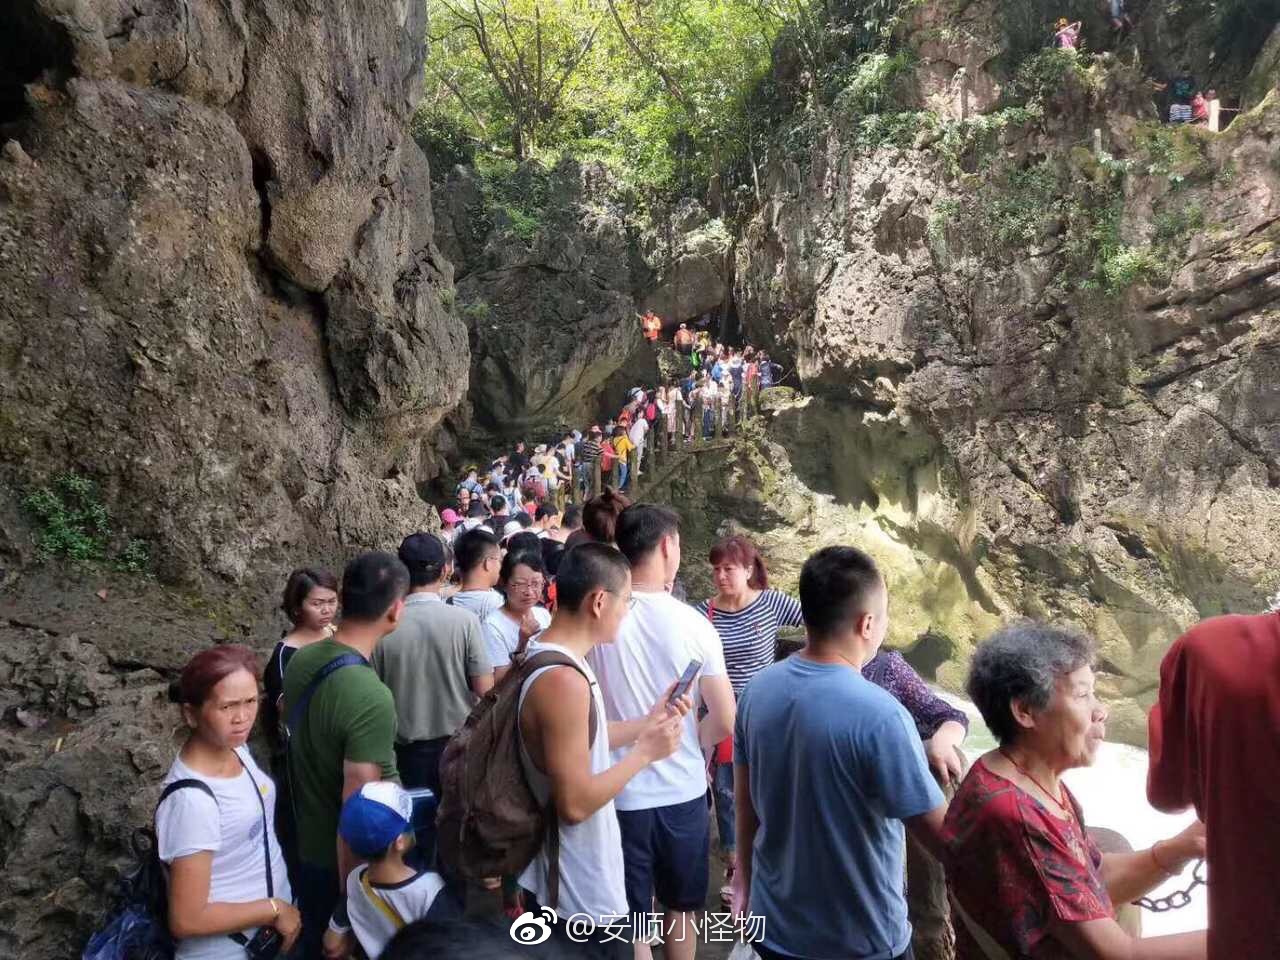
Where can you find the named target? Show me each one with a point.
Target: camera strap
(240, 938)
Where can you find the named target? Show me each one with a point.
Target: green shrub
(1043, 74)
(1176, 152)
(1174, 227)
(73, 524)
(871, 87)
(443, 139)
(476, 311)
(979, 136)
(524, 223)
(520, 191)
(1128, 265)
(1019, 210)
(892, 129)
(134, 558)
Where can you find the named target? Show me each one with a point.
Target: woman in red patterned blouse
(1026, 881)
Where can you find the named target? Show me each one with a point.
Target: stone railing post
(595, 488)
(633, 471)
(697, 421)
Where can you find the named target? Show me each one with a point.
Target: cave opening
(32, 49)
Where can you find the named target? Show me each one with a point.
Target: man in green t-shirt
(345, 738)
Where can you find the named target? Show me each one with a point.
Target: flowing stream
(1113, 793)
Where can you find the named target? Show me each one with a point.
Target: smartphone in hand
(685, 682)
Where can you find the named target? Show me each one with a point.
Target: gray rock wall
(219, 291)
(221, 299)
(1109, 460)
(548, 301)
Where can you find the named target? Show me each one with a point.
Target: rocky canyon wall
(1043, 343)
(220, 301)
(219, 292)
(553, 268)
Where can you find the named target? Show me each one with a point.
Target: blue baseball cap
(374, 816)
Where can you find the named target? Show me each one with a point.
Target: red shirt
(1215, 745)
(1015, 867)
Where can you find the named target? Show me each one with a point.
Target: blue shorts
(666, 852)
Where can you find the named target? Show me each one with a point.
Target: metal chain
(1179, 898)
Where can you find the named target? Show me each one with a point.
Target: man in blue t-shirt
(827, 769)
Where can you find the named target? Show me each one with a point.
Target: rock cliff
(220, 300)
(544, 272)
(553, 268)
(219, 291)
(1042, 344)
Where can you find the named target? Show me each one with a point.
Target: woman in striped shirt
(748, 616)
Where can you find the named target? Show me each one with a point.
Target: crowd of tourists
(634, 720)
(530, 487)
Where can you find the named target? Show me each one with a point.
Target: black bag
(138, 926)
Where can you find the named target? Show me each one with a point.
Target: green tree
(511, 63)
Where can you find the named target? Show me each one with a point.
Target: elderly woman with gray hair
(1026, 881)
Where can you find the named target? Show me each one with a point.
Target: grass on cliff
(72, 524)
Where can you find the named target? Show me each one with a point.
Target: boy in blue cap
(387, 893)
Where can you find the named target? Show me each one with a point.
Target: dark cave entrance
(32, 49)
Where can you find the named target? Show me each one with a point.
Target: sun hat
(449, 515)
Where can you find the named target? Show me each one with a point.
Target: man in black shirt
(519, 460)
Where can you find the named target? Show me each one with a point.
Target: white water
(1113, 793)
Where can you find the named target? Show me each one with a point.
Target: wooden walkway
(660, 460)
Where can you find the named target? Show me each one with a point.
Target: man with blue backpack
(342, 722)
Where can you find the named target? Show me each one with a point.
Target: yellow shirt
(622, 447)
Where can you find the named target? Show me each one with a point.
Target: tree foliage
(671, 93)
(659, 88)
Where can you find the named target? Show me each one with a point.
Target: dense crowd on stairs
(531, 486)
(519, 738)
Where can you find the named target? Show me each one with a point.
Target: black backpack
(138, 926)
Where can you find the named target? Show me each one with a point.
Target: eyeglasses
(630, 598)
(521, 585)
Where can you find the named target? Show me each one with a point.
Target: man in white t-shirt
(662, 812)
(639, 430)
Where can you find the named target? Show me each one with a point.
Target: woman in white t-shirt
(508, 629)
(215, 823)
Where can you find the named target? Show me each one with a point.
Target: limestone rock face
(219, 291)
(692, 257)
(955, 49)
(221, 300)
(1265, 75)
(1108, 458)
(547, 291)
